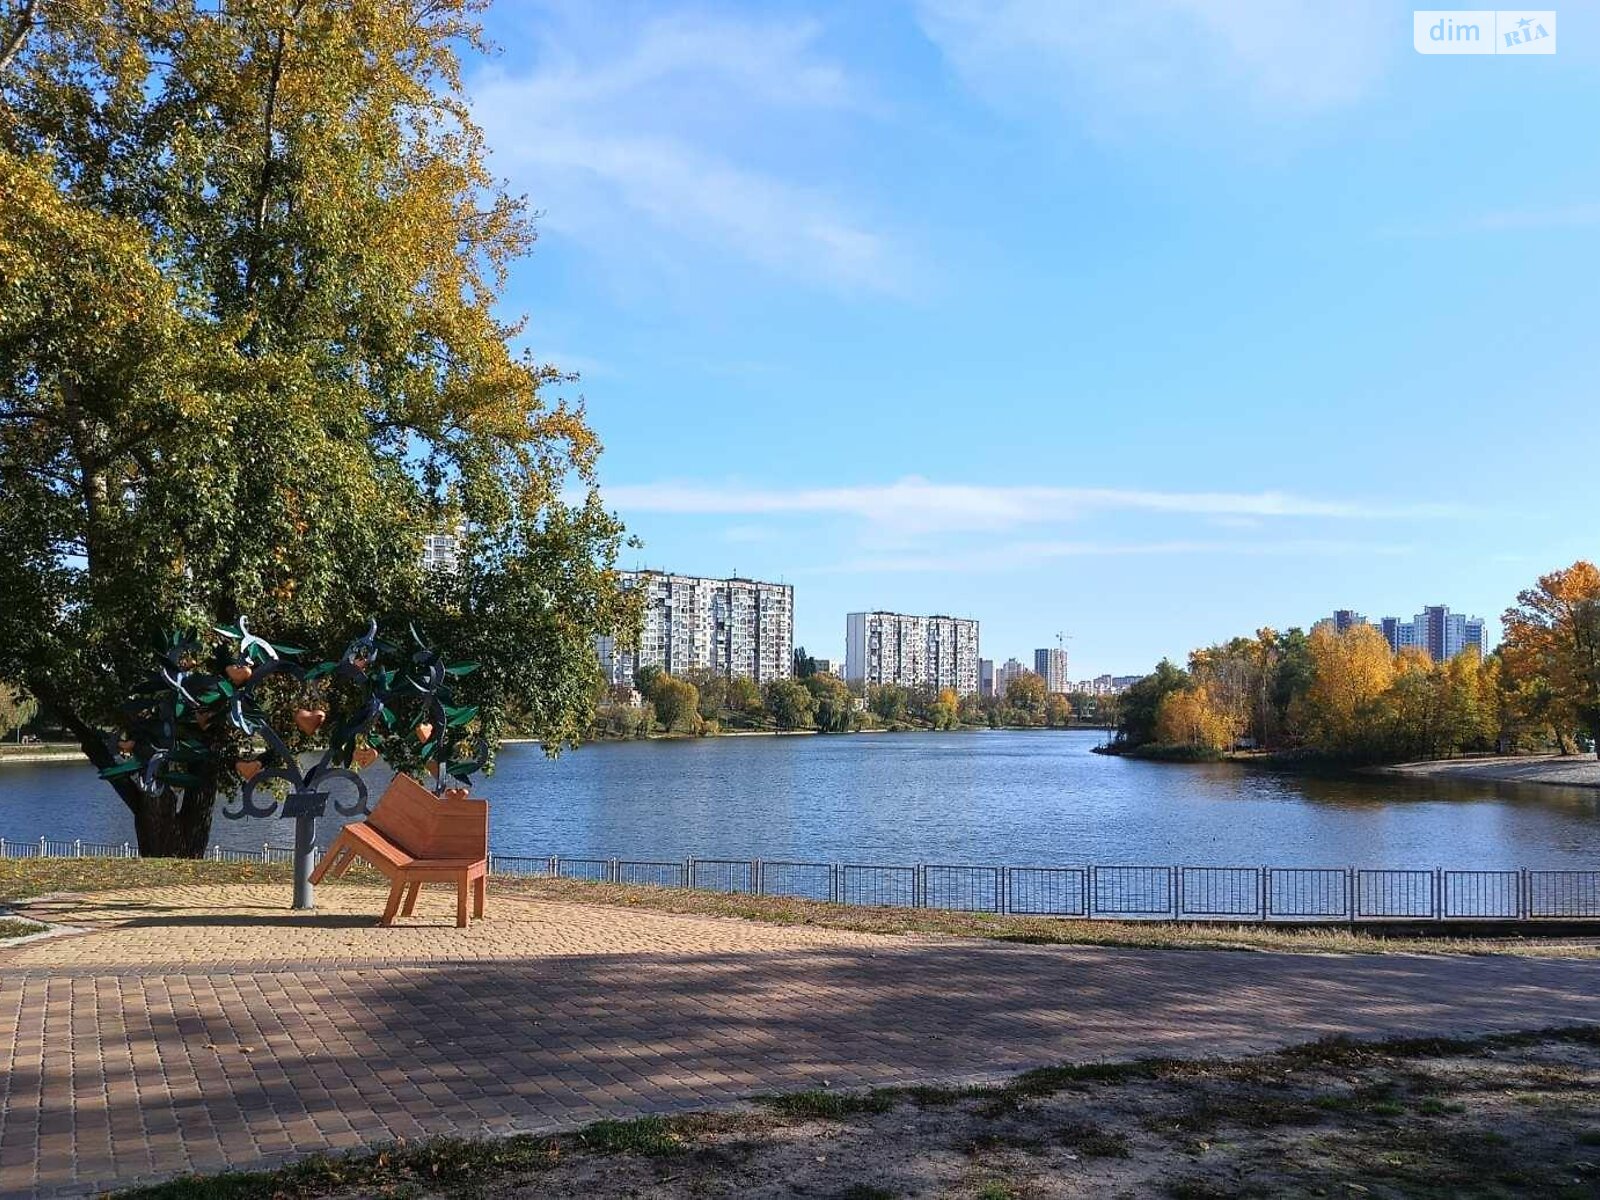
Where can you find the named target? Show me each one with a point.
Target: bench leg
(480, 890)
(411, 900)
(396, 890)
(328, 861)
(461, 901)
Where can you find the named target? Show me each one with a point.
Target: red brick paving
(115, 1074)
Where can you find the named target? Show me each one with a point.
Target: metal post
(305, 836)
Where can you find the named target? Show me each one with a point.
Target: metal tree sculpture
(405, 713)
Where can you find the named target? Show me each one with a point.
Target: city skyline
(925, 306)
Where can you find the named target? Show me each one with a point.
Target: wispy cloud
(912, 504)
(1107, 62)
(658, 148)
(1571, 216)
(1027, 555)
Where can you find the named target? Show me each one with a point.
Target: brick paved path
(196, 1029)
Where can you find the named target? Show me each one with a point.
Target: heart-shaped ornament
(309, 720)
(248, 769)
(365, 756)
(424, 730)
(239, 674)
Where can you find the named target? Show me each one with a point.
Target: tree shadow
(258, 1064)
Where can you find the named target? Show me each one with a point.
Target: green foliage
(791, 704)
(804, 665)
(17, 708)
(249, 359)
(676, 702)
(889, 702)
(835, 706)
(1025, 696)
(1141, 703)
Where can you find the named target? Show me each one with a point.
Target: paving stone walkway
(205, 1028)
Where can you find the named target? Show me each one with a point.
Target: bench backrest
(425, 826)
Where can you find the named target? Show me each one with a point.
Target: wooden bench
(415, 837)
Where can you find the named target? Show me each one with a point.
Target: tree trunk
(165, 830)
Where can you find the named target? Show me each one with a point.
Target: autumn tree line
(704, 702)
(1349, 696)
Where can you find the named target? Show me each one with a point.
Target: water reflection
(961, 797)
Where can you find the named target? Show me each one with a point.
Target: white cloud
(1167, 57)
(668, 146)
(1028, 555)
(920, 505)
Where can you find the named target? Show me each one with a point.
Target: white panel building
(936, 652)
(741, 628)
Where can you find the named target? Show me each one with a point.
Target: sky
(1146, 324)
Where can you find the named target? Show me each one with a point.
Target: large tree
(250, 255)
(1552, 645)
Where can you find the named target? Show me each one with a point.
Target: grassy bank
(1506, 1115)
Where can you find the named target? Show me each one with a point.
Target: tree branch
(13, 44)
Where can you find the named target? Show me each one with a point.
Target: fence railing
(1126, 892)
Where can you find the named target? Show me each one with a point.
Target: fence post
(688, 872)
(1438, 893)
(1261, 882)
(77, 847)
(1088, 899)
(616, 870)
(1350, 894)
(1175, 891)
(1001, 875)
(127, 850)
(835, 885)
(1525, 895)
(755, 877)
(41, 846)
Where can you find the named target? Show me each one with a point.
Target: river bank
(1559, 770)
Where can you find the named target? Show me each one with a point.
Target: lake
(968, 797)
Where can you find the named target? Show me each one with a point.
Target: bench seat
(413, 837)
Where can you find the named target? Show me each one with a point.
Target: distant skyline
(1152, 323)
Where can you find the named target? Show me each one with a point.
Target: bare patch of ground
(1510, 1115)
(1563, 770)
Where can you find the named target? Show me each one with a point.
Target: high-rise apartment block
(1004, 674)
(986, 677)
(1051, 666)
(741, 628)
(1343, 619)
(1442, 633)
(936, 652)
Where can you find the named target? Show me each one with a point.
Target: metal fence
(1126, 892)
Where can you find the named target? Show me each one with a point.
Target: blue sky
(1151, 322)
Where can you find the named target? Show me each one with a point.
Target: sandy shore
(1564, 770)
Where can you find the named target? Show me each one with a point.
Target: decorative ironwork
(396, 706)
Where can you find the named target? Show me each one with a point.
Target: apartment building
(1442, 633)
(937, 652)
(742, 628)
(1051, 666)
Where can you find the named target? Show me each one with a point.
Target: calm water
(960, 797)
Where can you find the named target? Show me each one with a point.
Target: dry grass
(27, 877)
(1036, 930)
(1506, 1115)
(24, 878)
